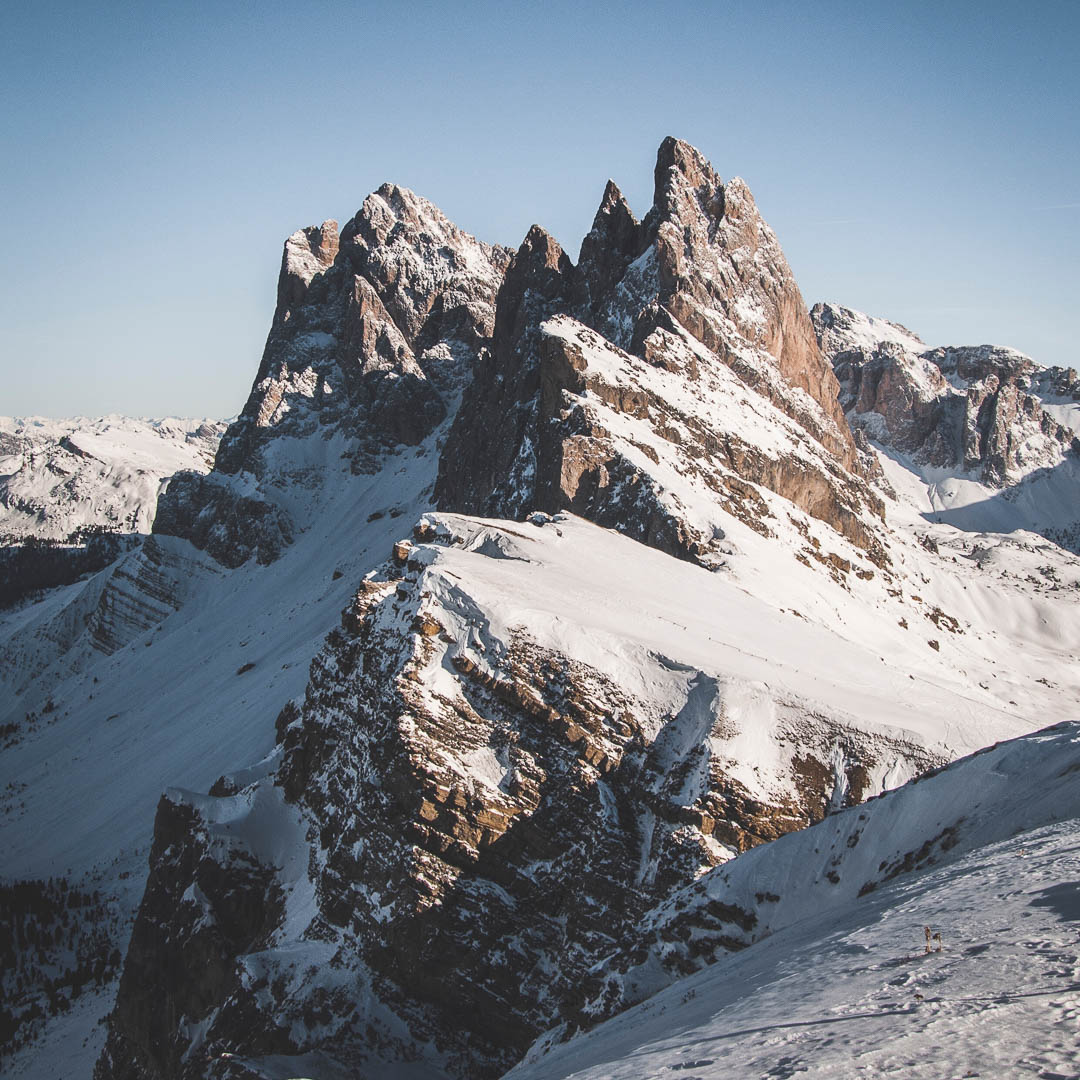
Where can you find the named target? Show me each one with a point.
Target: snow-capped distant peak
(841, 328)
(61, 476)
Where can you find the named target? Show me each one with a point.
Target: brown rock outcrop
(481, 821)
(975, 408)
(700, 284)
(375, 332)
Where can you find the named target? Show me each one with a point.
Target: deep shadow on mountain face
(33, 565)
(1024, 506)
(1063, 900)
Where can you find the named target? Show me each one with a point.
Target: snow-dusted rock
(490, 791)
(610, 378)
(527, 737)
(62, 477)
(928, 933)
(982, 409)
(374, 334)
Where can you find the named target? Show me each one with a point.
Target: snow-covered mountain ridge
(981, 424)
(622, 598)
(77, 495)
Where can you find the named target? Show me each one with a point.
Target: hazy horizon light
(920, 163)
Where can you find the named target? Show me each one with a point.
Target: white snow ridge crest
(601, 669)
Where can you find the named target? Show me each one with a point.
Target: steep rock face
(179, 960)
(662, 451)
(216, 518)
(375, 331)
(473, 817)
(720, 267)
(935, 849)
(489, 463)
(983, 409)
(699, 288)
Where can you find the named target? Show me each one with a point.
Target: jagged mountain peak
(540, 273)
(678, 165)
(308, 252)
(418, 259)
(987, 414)
(390, 204)
(613, 220)
(394, 211)
(612, 198)
(841, 328)
(699, 289)
(614, 241)
(541, 249)
(723, 275)
(377, 330)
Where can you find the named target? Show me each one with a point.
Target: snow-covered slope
(58, 477)
(471, 738)
(992, 434)
(929, 933)
(90, 746)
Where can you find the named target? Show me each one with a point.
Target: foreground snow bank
(985, 853)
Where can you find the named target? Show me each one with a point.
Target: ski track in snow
(852, 993)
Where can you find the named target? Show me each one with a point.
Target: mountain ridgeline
(380, 331)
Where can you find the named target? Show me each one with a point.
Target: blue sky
(917, 161)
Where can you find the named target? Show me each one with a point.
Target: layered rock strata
(459, 822)
(983, 409)
(698, 289)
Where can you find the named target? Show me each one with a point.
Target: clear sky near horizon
(919, 161)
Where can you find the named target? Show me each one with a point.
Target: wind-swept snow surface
(946, 947)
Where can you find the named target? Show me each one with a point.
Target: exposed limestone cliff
(982, 409)
(699, 289)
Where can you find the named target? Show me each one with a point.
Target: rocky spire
(613, 242)
(308, 253)
(721, 274)
(539, 277)
(489, 462)
(701, 281)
